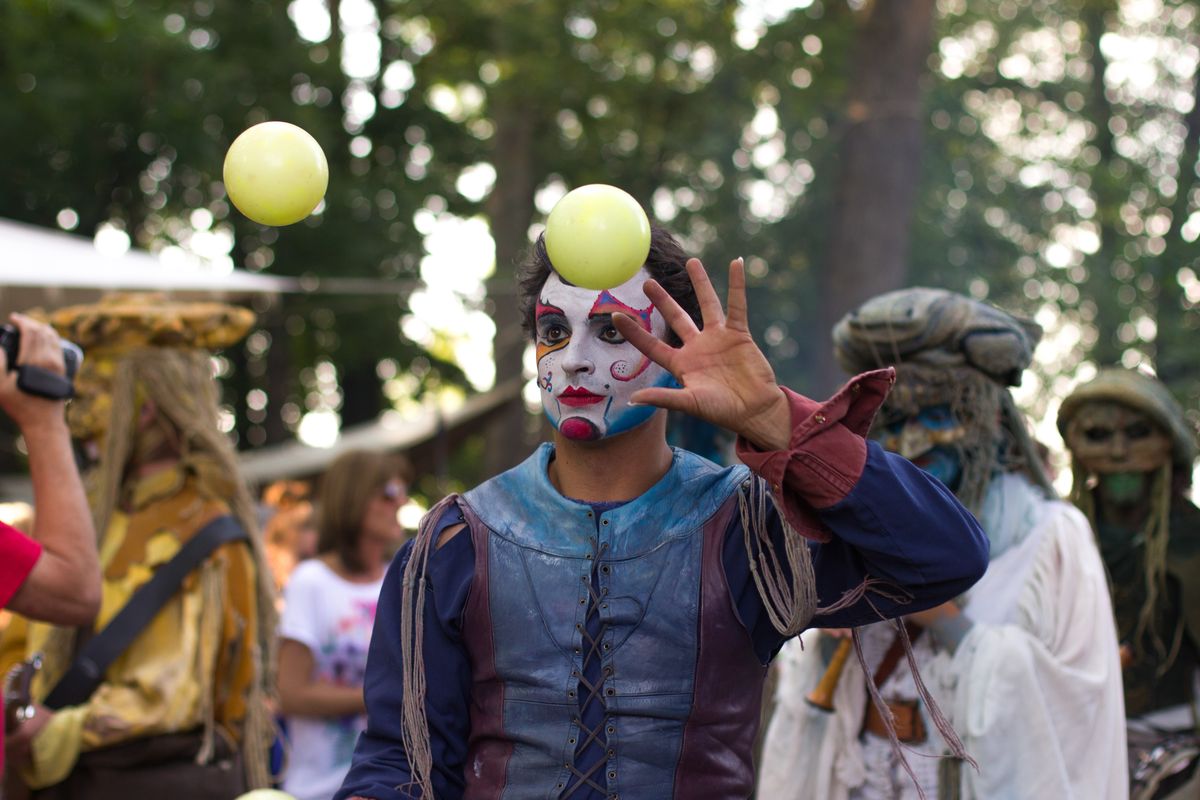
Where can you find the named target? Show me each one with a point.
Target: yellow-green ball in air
(276, 173)
(597, 236)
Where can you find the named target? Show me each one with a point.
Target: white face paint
(587, 371)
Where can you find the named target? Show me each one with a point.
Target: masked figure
(181, 711)
(596, 622)
(1132, 452)
(1019, 662)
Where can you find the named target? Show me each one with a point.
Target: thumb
(670, 399)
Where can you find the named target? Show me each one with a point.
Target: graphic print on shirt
(343, 662)
(587, 371)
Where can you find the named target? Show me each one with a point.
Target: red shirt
(18, 554)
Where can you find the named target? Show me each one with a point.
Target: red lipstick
(573, 396)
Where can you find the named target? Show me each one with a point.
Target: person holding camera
(55, 575)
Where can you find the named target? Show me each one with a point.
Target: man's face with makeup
(586, 370)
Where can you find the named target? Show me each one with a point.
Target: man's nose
(575, 361)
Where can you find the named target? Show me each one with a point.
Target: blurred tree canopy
(1042, 155)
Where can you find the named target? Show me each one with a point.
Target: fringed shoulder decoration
(789, 593)
(415, 723)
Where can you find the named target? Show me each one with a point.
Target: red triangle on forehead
(607, 304)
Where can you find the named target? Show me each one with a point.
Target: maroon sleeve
(18, 554)
(826, 453)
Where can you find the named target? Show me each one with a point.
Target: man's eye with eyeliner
(611, 335)
(551, 334)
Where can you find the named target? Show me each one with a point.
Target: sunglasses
(394, 491)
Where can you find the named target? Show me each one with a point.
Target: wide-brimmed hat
(124, 322)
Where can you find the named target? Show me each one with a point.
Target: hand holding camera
(36, 367)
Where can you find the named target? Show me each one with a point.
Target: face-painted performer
(587, 371)
(182, 711)
(1022, 661)
(1132, 452)
(590, 624)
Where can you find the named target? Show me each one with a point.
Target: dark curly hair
(665, 263)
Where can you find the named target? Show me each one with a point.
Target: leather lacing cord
(588, 692)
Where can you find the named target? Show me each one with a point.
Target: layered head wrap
(950, 349)
(143, 347)
(1166, 454)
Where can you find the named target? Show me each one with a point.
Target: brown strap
(906, 721)
(892, 657)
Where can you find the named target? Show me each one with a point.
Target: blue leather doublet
(542, 549)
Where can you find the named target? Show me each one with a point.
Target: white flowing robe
(1034, 688)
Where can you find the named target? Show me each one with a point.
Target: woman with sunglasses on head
(328, 614)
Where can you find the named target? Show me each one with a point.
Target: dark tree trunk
(880, 166)
(510, 210)
(362, 397)
(279, 376)
(1174, 352)
(1108, 185)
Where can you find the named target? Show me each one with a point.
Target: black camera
(35, 380)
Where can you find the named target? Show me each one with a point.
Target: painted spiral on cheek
(545, 371)
(622, 371)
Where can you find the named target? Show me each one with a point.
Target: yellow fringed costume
(202, 666)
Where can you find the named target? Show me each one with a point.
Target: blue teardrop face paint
(587, 371)
(944, 464)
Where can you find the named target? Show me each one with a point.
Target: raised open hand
(725, 378)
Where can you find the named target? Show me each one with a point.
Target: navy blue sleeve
(379, 769)
(898, 524)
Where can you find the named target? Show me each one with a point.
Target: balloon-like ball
(597, 236)
(276, 173)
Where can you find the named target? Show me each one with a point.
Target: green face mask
(1123, 488)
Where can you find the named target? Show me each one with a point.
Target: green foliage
(1054, 182)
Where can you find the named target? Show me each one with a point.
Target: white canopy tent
(42, 267)
(51, 269)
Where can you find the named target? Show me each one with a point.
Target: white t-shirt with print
(332, 617)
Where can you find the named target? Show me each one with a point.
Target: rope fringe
(789, 595)
(944, 728)
(415, 723)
